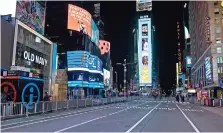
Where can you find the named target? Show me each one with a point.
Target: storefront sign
(207, 29)
(179, 55)
(34, 58)
(208, 69)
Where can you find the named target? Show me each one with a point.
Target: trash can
(212, 102)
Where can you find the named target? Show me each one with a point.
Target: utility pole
(116, 79)
(125, 70)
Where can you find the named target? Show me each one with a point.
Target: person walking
(177, 98)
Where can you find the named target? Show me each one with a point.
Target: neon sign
(179, 49)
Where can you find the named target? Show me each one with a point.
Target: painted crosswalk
(133, 107)
(185, 110)
(170, 102)
(164, 109)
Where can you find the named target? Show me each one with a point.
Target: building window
(219, 50)
(218, 30)
(216, 3)
(218, 40)
(216, 11)
(220, 60)
(217, 20)
(220, 69)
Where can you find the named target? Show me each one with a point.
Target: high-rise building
(205, 26)
(133, 71)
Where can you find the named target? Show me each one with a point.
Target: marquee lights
(179, 49)
(207, 29)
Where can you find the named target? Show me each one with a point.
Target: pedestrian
(46, 97)
(177, 98)
(182, 98)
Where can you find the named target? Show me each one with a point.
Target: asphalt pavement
(143, 115)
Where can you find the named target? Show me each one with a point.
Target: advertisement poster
(104, 47)
(106, 77)
(145, 52)
(32, 13)
(79, 19)
(95, 33)
(143, 5)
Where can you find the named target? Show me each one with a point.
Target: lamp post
(125, 70)
(116, 80)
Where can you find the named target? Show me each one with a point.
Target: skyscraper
(205, 26)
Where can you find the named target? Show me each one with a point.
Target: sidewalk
(216, 110)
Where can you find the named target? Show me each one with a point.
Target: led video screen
(144, 5)
(79, 20)
(145, 52)
(32, 13)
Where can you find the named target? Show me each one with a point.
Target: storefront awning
(210, 86)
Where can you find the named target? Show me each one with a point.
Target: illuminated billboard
(32, 13)
(104, 47)
(145, 52)
(208, 69)
(84, 70)
(95, 33)
(177, 72)
(83, 60)
(34, 52)
(143, 5)
(106, 77)
(188, 61)
(79, 19)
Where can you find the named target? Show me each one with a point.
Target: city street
(144, 115)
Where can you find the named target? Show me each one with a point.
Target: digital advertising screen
(77, 60)
(143, 5)
(94, 63)
(188, 62)
(85, 79)
(32, 13)
(95, 33)
(106, 77)
(82, 60)
(84, 70)
(145, 52)
(104, 47)
(79, 20)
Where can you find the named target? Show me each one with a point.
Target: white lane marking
(56, 118)
(80, 124)
(117, 112)
(80, 112)
(46, 120)
(137, 123)
(64, 129)
(62, 114)
(191, 123)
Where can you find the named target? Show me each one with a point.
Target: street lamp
(125, 70)
(116, 79)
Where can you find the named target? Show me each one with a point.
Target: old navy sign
(34, 58)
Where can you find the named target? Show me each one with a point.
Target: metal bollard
(220, 102)
(77, 103)
(35, 108)
(213, 102)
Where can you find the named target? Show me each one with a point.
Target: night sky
(119, 19)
